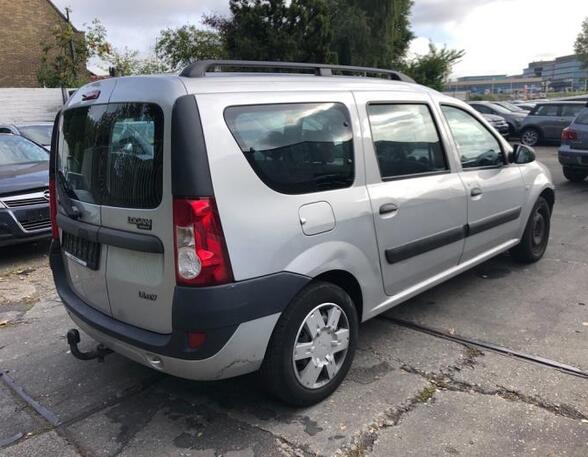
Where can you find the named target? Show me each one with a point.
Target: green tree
(178, 47)
(64, 56)
(581, 45)
(433, 68)
(389, 31)
(296, 30)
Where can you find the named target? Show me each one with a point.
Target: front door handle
(388, 208)
(476, 192)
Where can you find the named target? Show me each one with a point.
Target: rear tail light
(53, 209)
(569, 134)
(201, 252)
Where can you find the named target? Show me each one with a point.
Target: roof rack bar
(199, 68)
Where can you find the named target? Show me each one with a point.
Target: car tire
(289, 379)
(536, 235)
(574, 175)
(530, 136)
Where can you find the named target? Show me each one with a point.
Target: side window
(296, 148)
(477, 147)
(482, 109)
(571, 110)
(582, 117)
(406, 140)
(547, 110)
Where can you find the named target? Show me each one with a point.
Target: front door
(418, 202)
(495, 189)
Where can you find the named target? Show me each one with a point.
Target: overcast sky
(499, 36)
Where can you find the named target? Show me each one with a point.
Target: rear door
(418, 200)
(77, 181)
(549, 120)
(121, 176)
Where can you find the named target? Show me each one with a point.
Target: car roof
(555, 102)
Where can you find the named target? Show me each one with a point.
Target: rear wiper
(64, 191)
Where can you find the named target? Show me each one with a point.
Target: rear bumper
(13, 232)
(573, 158)
(238, 320)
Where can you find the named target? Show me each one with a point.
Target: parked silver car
(547, 120)
(209, 225)
(573, 152)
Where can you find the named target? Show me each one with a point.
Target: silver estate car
(216, 223)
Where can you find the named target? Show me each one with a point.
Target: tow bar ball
(73, 339)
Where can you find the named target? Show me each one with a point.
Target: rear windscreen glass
(296, 148)
(112, 154)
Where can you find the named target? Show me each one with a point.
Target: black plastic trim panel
(426, 244)
(493, 221)
(189, 159)
(110, 236)
(446, 237)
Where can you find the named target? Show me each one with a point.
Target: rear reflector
(569, 134)
(53, 209)
(201, 253)
(196, 339)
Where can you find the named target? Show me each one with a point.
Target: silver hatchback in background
(213, 224)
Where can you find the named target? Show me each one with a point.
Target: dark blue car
(24, 194)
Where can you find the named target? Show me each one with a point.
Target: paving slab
(35, 354)
(17, 419)
(552, 389)
(475, 425)
(48, 444)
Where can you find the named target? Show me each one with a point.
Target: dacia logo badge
(141, 223)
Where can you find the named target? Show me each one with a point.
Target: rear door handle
(388, 208)
(475, 192)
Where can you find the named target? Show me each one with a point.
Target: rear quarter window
(296, 148)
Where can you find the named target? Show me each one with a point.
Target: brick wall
(24, 25)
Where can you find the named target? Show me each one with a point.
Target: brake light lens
(53, 209)
(569, 134)
(201, 253)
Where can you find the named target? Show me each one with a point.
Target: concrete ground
(408, 393)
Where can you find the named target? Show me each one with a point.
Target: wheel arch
(349, 283)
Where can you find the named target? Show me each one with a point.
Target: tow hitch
(73, 339)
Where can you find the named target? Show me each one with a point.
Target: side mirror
(522, 154)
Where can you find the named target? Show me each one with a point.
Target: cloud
(500, 36)
(136, 23)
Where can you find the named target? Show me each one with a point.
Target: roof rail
(199, 68)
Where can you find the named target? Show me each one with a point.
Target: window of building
(406, 140)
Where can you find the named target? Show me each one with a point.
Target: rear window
(112, 154)
(296, 148)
